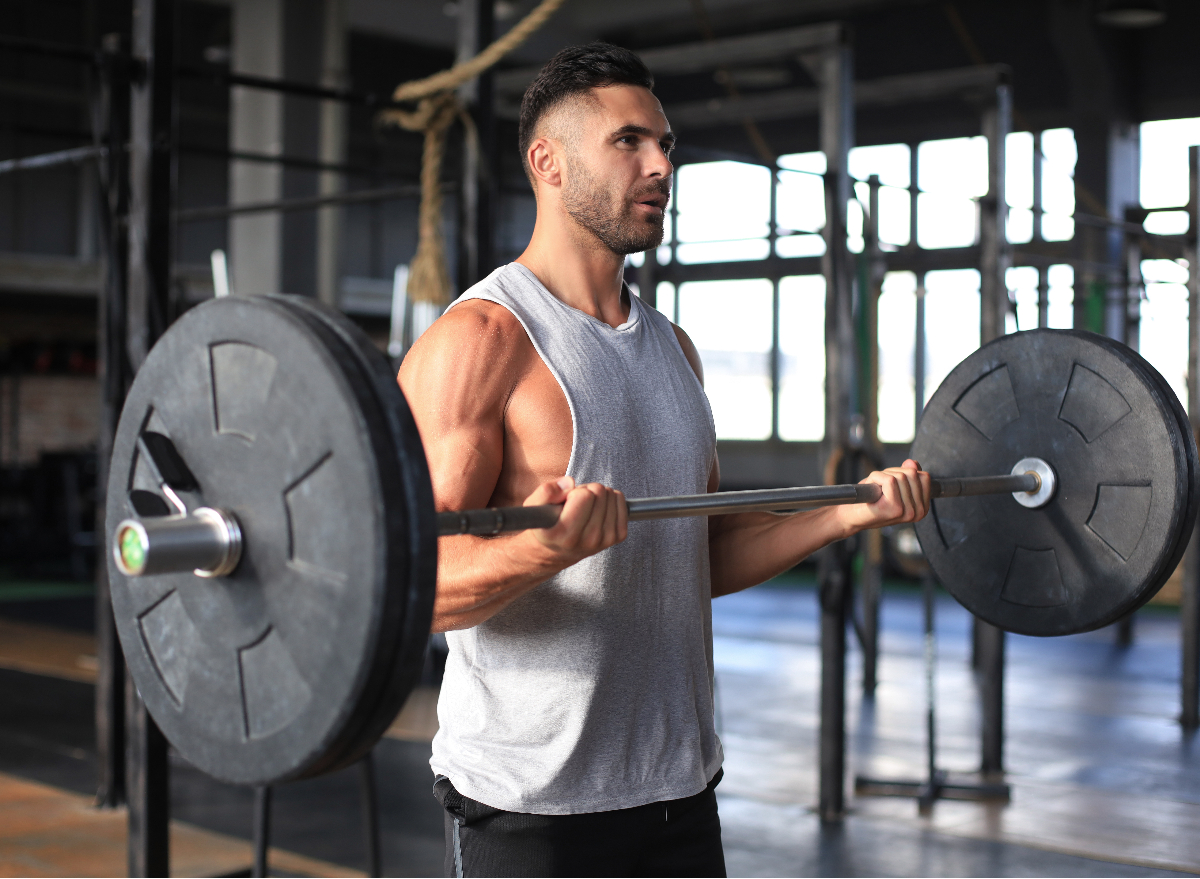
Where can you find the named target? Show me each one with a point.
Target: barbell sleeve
(206, 541)
(496, 520)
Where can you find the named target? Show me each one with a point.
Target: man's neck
(579, 270)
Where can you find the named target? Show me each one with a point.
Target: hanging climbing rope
(437, 108)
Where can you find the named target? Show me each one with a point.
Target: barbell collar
(206, 541)
(1047, 483)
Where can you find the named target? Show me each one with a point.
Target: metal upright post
(776, 363)
(151, 173)
(872, 549)
(919, 343)
(262, 831)
(991, 687)
(1043, 288)
(1134, 284)
(1189, 610)
(147, 790)
(110, 123)
(914, 193)
(934, 778)
(333, 145)
(370, 807)
(995, 257)
(836, 132)
(995, 254)
(1038, 171)
(151, 105)
(1123, 312)
(476, 26)
(1043, 294)
(776, 357)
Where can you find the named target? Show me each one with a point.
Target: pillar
(299, 41)
(836, 83)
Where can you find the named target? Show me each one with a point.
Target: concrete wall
(53, 413)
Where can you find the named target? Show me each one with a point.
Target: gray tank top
(595, 690)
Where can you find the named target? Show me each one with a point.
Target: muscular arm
(458, 380)
(746, 549)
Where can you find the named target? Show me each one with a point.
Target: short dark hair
(574, 71)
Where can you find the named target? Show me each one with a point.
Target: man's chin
(632, 247)
(651, 238)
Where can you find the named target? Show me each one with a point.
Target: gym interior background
(1009, 165)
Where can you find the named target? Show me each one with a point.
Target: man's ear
(546, 161)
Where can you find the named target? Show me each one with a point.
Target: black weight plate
(1186, 450)
(1188, 443)
(1099, 548)
(262, 676)
(375, 374)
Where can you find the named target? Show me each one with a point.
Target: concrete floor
(1104, 782)
(46, 831)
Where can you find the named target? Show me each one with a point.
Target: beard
(611, 218)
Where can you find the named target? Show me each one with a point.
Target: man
(577, 733)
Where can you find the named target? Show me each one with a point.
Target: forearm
(746, 549)
(478, 577)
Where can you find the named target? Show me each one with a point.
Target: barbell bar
(208, 541)
(496, 520)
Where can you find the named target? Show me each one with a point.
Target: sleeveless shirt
(594, 691)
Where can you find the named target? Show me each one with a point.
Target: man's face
(618, 179)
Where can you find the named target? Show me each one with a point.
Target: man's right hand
(593, 518)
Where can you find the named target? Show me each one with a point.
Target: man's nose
(660, 165)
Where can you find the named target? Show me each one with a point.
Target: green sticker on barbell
(133, 549)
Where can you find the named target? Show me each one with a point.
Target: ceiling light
(1131, 13)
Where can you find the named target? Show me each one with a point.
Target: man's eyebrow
(643, 131)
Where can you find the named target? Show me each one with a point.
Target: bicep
(457, 399)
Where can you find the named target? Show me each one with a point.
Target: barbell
(274, 538)
(208, 542)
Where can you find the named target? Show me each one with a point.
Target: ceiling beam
(790, 103)
(698, 57)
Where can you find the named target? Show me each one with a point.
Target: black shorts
(669, 838)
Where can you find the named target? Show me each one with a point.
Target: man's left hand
(905, 499)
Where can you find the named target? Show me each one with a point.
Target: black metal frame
(148, 307)
(481, 167)
(840, 449)
(369, 798)
(110, 123)
(935, 785)
(133, 144)
(1189, 609)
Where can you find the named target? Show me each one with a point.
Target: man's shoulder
(473, 337)
(477, 323)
